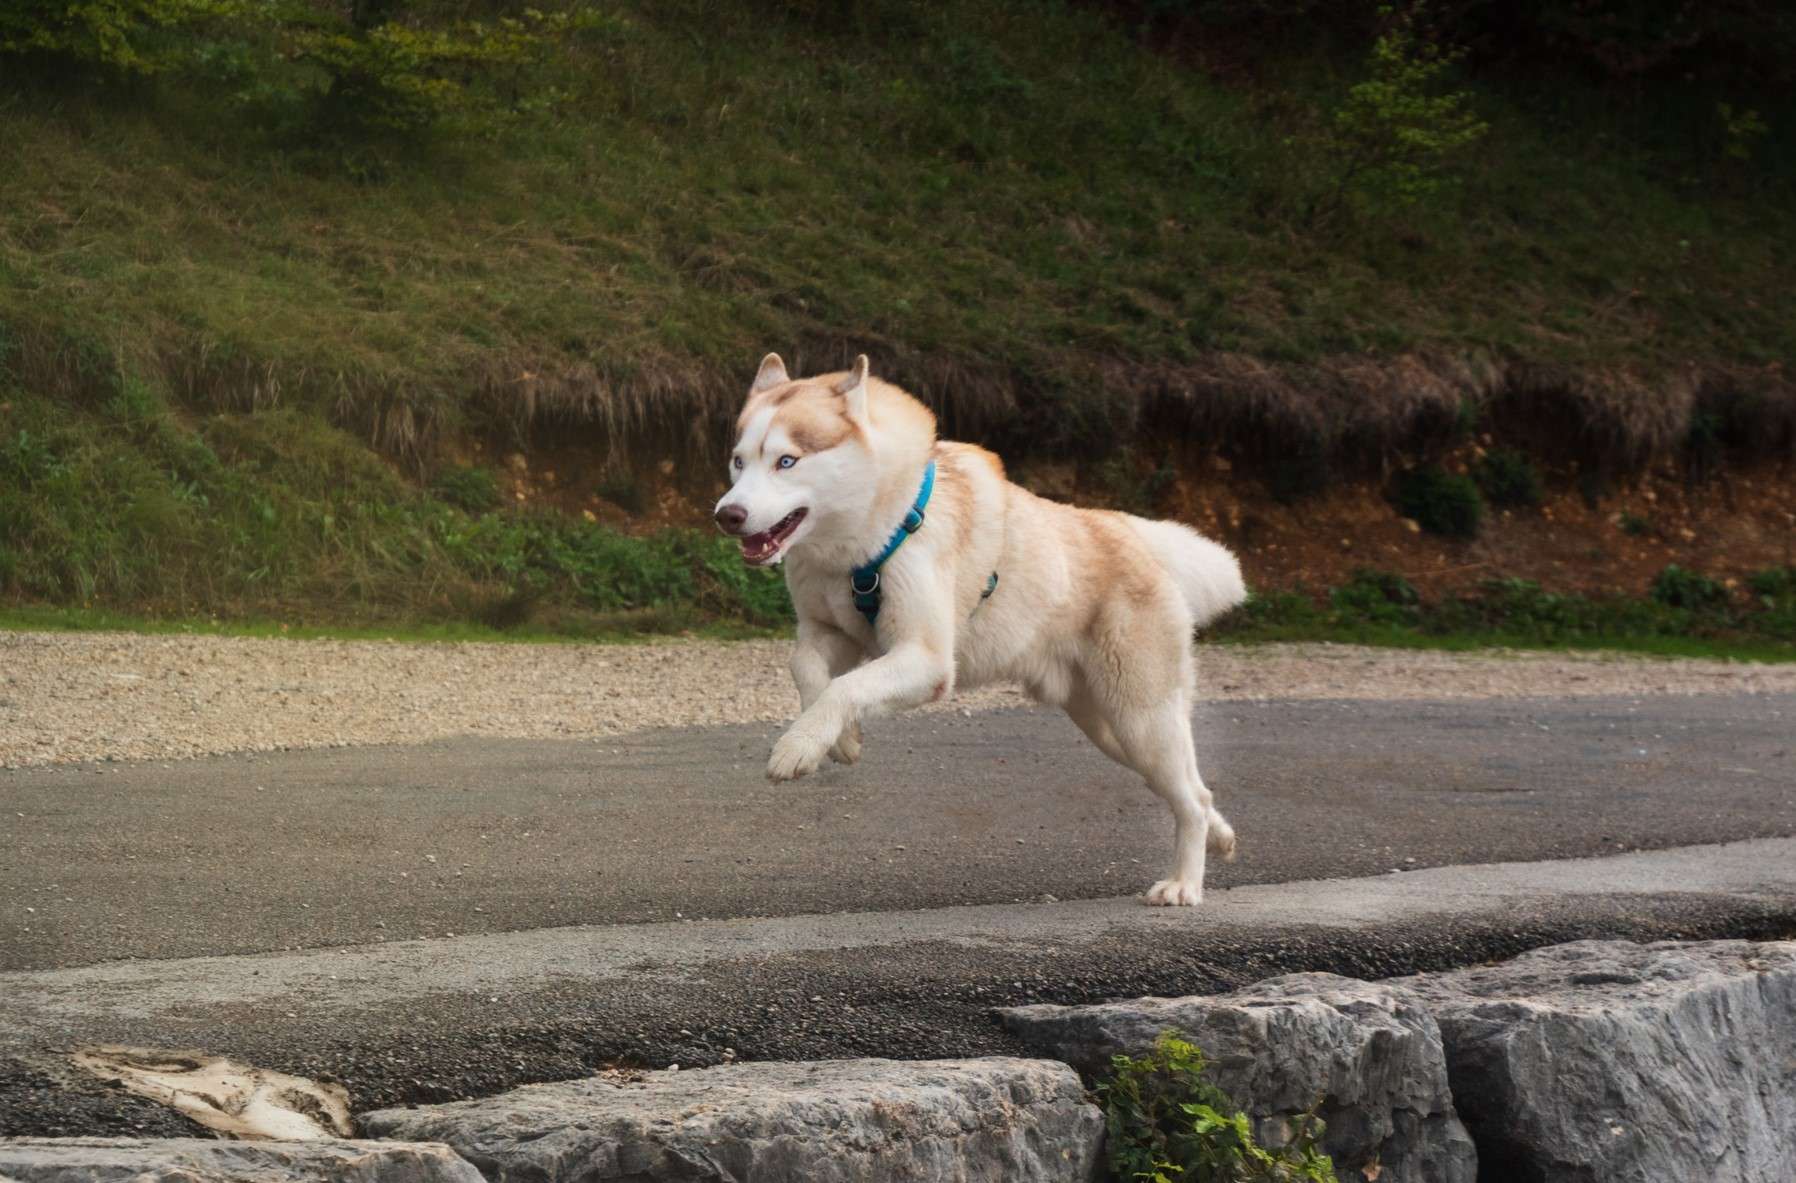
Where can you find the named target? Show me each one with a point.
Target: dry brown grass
(1355, 413)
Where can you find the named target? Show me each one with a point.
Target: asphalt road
(310, 849)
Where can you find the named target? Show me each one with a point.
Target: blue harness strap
(864, 580)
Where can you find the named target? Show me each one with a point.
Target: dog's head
(804, 463)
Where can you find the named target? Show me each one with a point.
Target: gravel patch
(73, 697)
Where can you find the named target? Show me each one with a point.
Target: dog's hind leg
(1220, 840)
(1082, 707)
(1156, 742)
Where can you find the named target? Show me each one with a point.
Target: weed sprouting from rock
(1166, 1121)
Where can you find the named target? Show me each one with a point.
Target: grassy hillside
(235, 358)
(1001, 201)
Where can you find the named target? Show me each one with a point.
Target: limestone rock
(1607, 1061)
(853, 1121)
(207, 1160)
(1369, 1053)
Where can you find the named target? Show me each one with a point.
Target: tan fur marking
(813, 425)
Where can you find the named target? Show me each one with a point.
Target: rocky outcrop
(1370, 1055)
(1607, 1061)
(835, 1120)
(205, 1160)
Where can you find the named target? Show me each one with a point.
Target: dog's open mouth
(760, 549)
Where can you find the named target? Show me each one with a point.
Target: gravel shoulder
(75, 697)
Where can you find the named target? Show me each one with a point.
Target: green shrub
(1441, 502)
(1275, 609)
(1395, 135)
(334, 70)
(472, 488)
(620, 487)
(1166, 1122)
(1377, 597)
(140, 37)
(1508, 479)
(1299, 471)
(1742, 130)
(1133, 488)
(1775, 585)
(1633, 525)
(1677, 587)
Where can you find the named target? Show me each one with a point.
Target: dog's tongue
(758, 546)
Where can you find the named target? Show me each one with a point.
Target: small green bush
(1441, 502)
(1166, 1122)
(1300, 471)
(1133, 489)
(1677, 587)
(1395, 135)
(1774, 585)
(1633, 525)
(335, 71)
(1508, 480)
(1379, 597)
(1274, 609)
(472, 489)
(620, 487)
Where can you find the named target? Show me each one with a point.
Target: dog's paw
(1175, 893)
(848, 748)
(795, 755)
(1220, 841)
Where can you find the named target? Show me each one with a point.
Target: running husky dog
(915, 566)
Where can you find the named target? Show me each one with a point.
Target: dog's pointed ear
(772, 373)
(854, 389)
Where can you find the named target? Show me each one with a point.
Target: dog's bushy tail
(1207, 572)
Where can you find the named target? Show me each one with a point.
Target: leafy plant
(1300, 470)
(1383, 597)
(1165, 1121)
(621, 487)
(1440, 502)
(1396, 133)
(396, 78)
(468, 488)
(1775, 585)
(336, 69)
(1634, 525)
(1679, 587)
(1135, 490)
(1742, 129)
(1508, 479)
(136, 37)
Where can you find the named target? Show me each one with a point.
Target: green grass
(137, 509)
(982, 193)
(563, 629)
(1388, 636)
(1380, 608)
(225, 359)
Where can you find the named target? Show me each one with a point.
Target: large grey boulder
(1369, 1053)
(207, 1160)
(1610, 1061)
(833, 1120)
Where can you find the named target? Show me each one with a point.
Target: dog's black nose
(731, 517)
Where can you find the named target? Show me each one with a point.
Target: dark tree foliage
(1734, 41)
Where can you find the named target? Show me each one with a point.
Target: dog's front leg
(821, 653)
(917, 625)
(910, 675)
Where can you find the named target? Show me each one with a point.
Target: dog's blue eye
(737, 461)
(788, 461)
